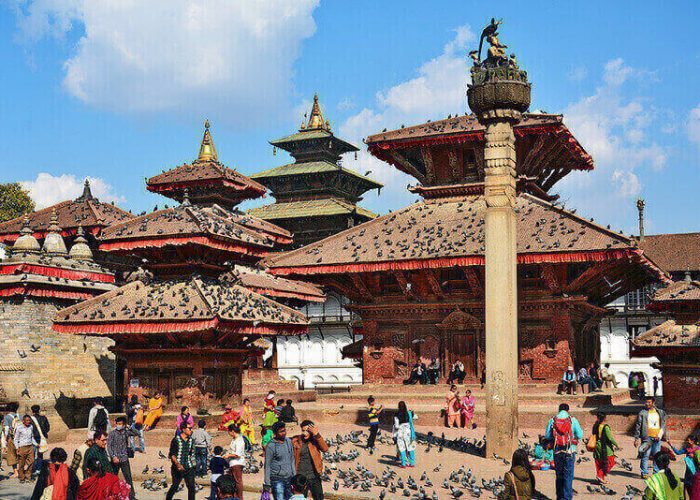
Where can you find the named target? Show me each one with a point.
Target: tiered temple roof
(206, 180)
(315, 196)
(86, 211)
(51, 271)
(674, 253)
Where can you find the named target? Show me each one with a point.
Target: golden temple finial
(207, 151)
(316, 120)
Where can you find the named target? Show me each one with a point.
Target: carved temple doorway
(461, 333)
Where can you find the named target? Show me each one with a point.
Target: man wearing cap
(568, 381)
(229, 417)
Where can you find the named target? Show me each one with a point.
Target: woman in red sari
(102, 485)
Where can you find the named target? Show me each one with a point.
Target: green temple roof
(309, 208)
(311, 167)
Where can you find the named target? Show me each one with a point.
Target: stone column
(501, 290)
(498, 96)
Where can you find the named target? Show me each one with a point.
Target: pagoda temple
(676, 343)
(315, 196)
(188, 321)
(86, 212)
(39, 366)
(416, 275)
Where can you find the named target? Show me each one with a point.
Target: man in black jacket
(183, 465)
(40, 422)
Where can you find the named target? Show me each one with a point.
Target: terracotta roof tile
(272, 286)
(452, 228)
(669, 334)
(178, 302)
(673, 252)
(679, 291)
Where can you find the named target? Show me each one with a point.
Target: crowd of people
(100, 468)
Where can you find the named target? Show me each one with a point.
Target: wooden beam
(552, 277)
(406, 164)
(433, 283)
(527, 163)
(406, 287)
(345, 288)
(474, 282)
(428, 162)
(361, 287)
(589, 274)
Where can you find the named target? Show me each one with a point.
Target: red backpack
(563, 433)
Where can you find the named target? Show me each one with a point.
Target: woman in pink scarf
(184, 416)
(468, 403)
(453, 407)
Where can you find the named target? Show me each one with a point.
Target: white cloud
(231, 58)
(577, 73)
(438, 89)
(48, 189)
(693, 125)
(614, 126)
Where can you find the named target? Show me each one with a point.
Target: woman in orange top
(453, 410)
(155, 411)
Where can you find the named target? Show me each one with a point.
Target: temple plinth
(498, 96)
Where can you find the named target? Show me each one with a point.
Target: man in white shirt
(98, 419)
(25, 443)
(236, 458)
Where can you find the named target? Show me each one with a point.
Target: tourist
(229, 417)
(9, 425)
(467, 406)
(279, 463)
(288, 414)
(519, 481)
(415, 376)
(594, 373)
(309, 447)
(457, 373)
(544, 455)
(130, 407)
(663, 484)
(655, 385)
(41, 436)
(135, 418)
(217, 466)
(78, 458)
(373, 415)
(452, 410)
(98, 418)
(97, 452)
(101, 483)
(568, 381)
(433, 371)
(184, 417)
(119, 450)
(300, 487)
(236, 458)
(226, 488)
(689, 449)
(564, 431)
(246, 421)
(605, 446)
(649, 429)
(63, 481)
(155, 411)
(583, 378)
(24, 446)
(405, 435)
(201, 440)
(608, 378)
(181, 455)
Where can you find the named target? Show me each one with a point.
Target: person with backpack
(9, 424)
(603, 449)
(98, 419)
(201, 440)
(41, 436)
(564, 432)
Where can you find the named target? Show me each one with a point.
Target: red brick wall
(681, 389)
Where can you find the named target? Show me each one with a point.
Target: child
(266, 436)
(218, 465)
(201, 440)
(544, 455)
(299, 486)
(288, 414)
(373, 416)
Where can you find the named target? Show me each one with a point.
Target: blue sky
(118, 90)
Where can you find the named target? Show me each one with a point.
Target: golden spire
(207, 151)
(316, 120)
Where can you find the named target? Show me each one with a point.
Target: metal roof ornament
(53, 243)
(316, 120)
(26, 241)
(207, 151)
